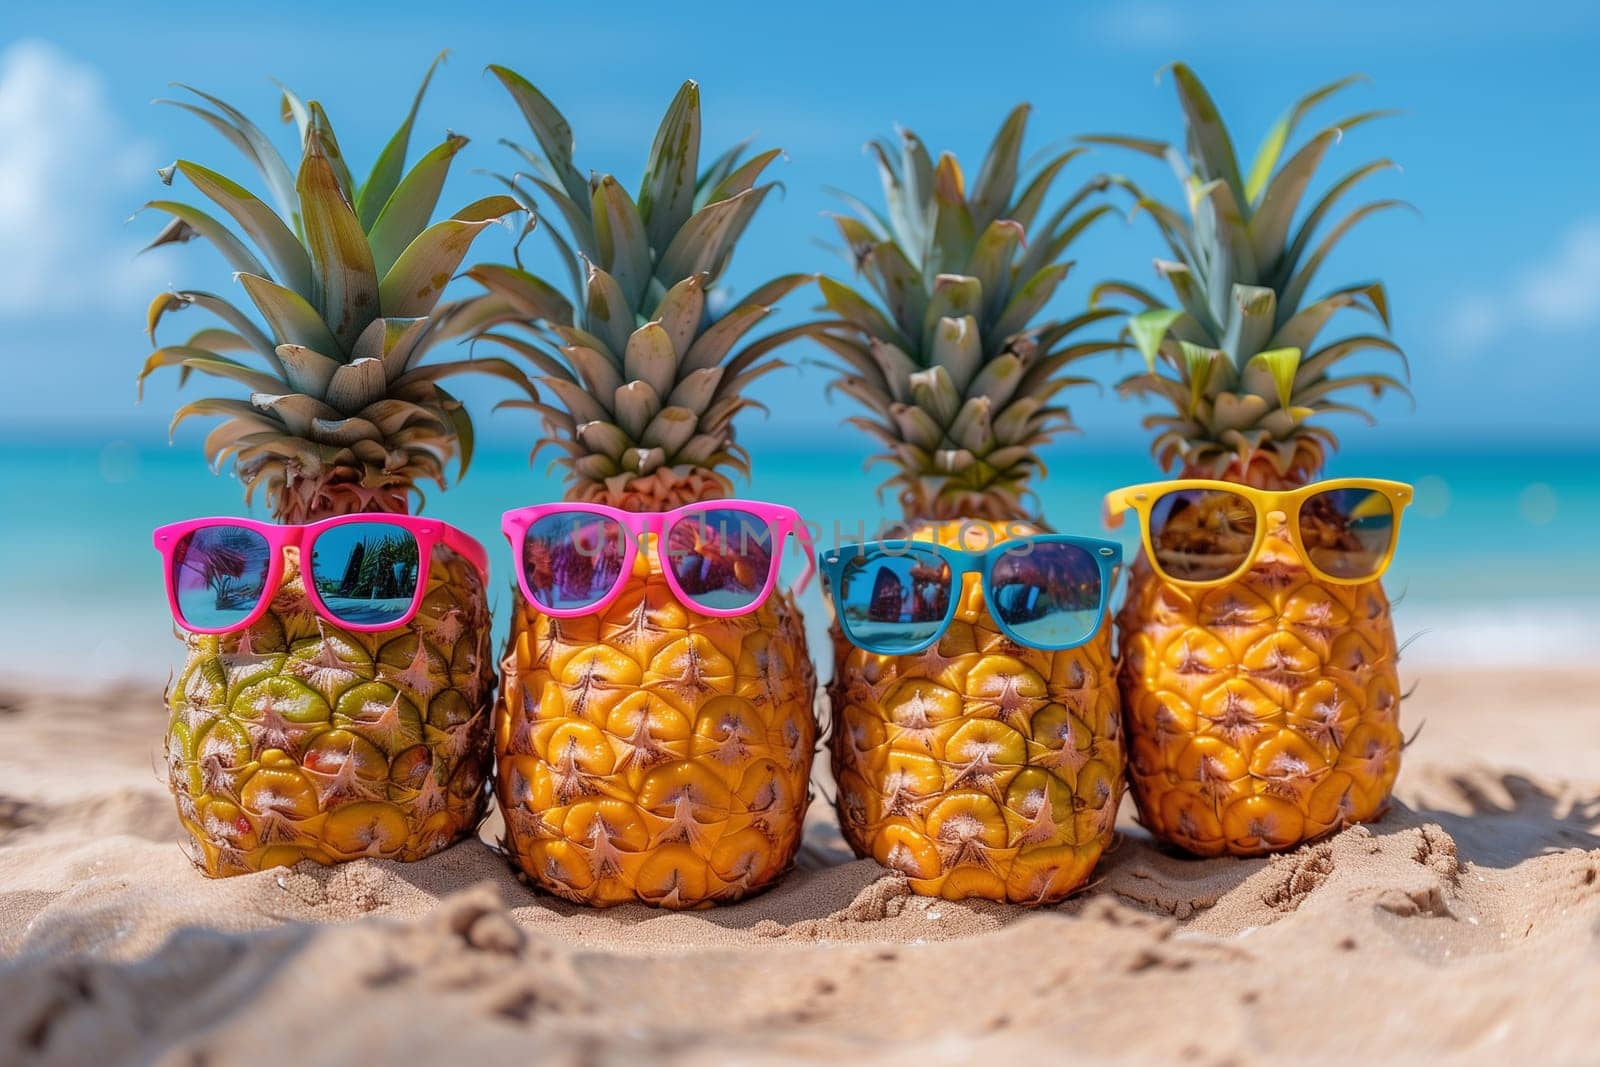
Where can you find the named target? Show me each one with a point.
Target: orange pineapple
(649, 753)
(1263, 712)
(978, 767)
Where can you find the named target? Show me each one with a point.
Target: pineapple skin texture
(649, 754)
(979, 768)
(1262, 713)
(297, 740)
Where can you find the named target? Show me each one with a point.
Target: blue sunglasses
(1048, 591)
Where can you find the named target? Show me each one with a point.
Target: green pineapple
(296, 739)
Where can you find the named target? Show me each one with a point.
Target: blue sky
(1495, 284)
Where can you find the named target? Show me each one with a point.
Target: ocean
(1497, 565)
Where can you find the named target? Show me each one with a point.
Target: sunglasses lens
(721, 557)
(366, 572)
(893, 602)
(219, 573)
(573, 560)
(1048, 593)
(1347, 533)
(1200, 535)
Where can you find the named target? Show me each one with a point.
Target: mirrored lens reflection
(894, 601)
(219, 573)
(366, 572)
(573, 559)
(721, 557)
(1048, 593)
(1347, 532)
(1200, 535)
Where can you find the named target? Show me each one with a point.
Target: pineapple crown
(341, 416)
(643, 380)
(1238, 356)
(948, 353)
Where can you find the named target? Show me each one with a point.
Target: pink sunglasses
(362, 572)
(721, 557)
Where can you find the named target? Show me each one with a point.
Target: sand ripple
(1461, 928)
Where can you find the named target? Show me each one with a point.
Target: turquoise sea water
(1498, 563)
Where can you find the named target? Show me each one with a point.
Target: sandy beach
(400, 395)
(1459, 929)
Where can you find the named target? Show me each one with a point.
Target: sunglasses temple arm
(808, 549)
(468, 548)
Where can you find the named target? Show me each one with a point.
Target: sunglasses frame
(428, 533)
(779, 518)
(1106, 554)
(1288, 502)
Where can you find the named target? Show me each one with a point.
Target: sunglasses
(1048, 591)
(721, 558)
(361, 572)
(1202, 533)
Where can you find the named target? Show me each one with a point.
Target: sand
(1462, 928)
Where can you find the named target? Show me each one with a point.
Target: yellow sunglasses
(1200, 533)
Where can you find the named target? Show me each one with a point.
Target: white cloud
(1146, 25)
(69, 174)
(1560, 295)
(1475, 324)
(1564, 293)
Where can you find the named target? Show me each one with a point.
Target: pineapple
(1264, 712)
(978, 768)
(296, 739)
(648, 753)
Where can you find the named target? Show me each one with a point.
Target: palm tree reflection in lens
(219, 573)
(721, 557)
(573, 560)
(365, 572)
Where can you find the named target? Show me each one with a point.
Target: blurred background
(1494, 282)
